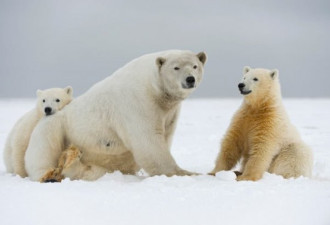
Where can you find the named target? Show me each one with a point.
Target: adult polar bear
(130, 116)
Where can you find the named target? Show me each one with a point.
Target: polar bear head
(180, 72)
(54, 99)
(259, 83)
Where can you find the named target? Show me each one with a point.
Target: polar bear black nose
(241, 85)
(190, 80)
(48, 110)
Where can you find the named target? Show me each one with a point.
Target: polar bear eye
(255, 79)
(195, 67)
(43, 100)
(176, 68)
(57, 100)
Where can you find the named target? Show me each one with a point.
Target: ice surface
(123, 199)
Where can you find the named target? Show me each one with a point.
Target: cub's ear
(160, 61)
(274, 73)
(68, 90)
(38, 92)
(246, 69)
(202, 57)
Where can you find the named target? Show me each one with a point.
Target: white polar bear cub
(49, 101)
(125, 122)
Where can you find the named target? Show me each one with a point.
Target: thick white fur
(19, 137)
(128, 120)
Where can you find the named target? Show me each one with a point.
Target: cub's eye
(195, 67)
(255, 79)
(57, 100)
(176, 68)
(43, 100)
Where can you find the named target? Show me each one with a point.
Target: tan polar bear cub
(49, 101)
(261, 134)
(125, 122)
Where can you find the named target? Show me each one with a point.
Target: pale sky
(46, 44)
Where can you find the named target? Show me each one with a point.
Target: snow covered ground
(123, 199)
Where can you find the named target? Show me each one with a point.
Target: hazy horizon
(46, 44)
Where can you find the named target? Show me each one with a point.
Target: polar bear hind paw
(52, 176)
(181, 172)
(69, 157)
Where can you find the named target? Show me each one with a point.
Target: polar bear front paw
(181, 172)
(248, 178)
(238, 173)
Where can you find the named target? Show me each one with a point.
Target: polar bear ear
(160, 61)
(68, 90)
(202, 57)
(246, 69)
(274, 73)
(38, 92)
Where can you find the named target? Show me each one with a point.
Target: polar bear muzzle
(241, 87)
(48, 111)
(189, 82)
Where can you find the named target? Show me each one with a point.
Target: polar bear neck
(163, 97)
(273, 99)
(166, 101)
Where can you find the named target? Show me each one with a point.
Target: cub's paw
(52, 175)
(248, 178)
(238, 173)
(213, 172)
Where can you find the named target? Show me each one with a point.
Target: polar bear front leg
(258, 162)
(231, 147)
(229, 154)
(151, 152)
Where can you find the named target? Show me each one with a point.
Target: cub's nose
(241, 85)
(190, 80)
(48, 110)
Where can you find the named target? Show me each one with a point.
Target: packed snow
(126, 199)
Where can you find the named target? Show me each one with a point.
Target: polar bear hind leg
(45, 147)
(294, 160)
(73, 168)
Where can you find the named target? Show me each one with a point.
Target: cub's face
(180, 74)
(257, 82)
(54, 99)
